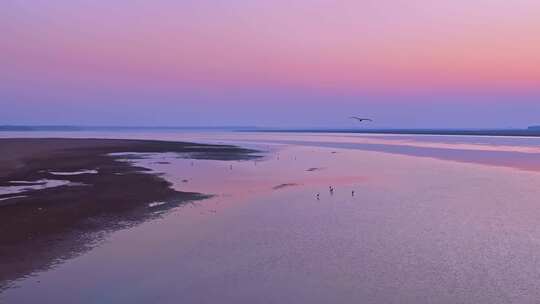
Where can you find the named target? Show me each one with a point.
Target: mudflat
(100, 192)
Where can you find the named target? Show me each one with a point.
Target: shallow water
(24, 186)
(516, 152)
(74, 172)
(420, 228)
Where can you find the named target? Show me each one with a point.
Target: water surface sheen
(421, 227)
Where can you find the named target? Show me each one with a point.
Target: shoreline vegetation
(104, 193)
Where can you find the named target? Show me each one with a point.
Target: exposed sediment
(39, 228)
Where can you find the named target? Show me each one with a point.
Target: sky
(280, 63)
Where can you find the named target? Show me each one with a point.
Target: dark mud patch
(281, 186)
(42, 228)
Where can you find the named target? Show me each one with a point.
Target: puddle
(34, 185)
(74, 172)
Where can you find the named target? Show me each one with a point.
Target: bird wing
(360, 119)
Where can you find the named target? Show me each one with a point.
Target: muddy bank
(100, 193)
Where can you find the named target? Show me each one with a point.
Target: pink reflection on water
(245, 179)
(418, 230)
(515, 152)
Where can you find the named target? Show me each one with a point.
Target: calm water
(433, 219)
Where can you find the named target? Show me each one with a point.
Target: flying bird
(360, 119)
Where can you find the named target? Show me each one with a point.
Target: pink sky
(381, 48)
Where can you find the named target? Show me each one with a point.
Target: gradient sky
(293, 63)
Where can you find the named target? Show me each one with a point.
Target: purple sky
(295, 63)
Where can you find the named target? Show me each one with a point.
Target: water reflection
(515, 152)
(416, 230)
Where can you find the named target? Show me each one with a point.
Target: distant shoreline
(533, 131)
(481, 132)
(74, 128)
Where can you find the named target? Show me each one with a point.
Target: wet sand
(104, 193)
